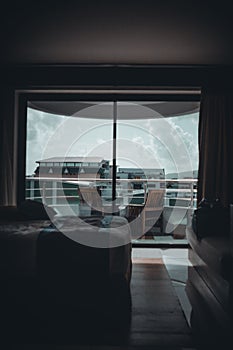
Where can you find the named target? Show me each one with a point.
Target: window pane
(157, 148)
(75, 149)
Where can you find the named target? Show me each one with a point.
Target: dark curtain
(215, 176)
(7, 144)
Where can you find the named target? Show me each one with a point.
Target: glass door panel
(69, 147)
(157, 149)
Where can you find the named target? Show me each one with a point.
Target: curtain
(7, 183)
(215, 176)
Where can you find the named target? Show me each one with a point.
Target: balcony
(63, 195)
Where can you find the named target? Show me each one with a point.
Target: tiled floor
(176, 262)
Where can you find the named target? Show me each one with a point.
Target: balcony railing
(64, 191)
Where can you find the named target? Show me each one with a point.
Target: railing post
(54, 192)
(43, 193)
(192, 194)
(32, 189)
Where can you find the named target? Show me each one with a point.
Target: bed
(45, 274)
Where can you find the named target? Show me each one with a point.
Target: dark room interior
(67, 58)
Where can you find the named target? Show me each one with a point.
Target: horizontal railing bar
(109, 197)
(108, 180)
(54, 197)
(49, 189)
(168, 190)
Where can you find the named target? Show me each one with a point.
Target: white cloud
(169, 143)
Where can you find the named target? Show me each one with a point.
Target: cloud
(40, 127)
(169, 143)
(175, 147)
(188, 138)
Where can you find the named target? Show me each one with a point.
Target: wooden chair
(150, 211)
(90, 196)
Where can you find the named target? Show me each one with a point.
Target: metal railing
(62, 194)
(51, 190)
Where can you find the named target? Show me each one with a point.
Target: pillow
(33, 210)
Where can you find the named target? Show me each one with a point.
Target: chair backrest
(91, 197)
(155, 198)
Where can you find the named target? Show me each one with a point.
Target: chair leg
(143, 223)
(161, 224)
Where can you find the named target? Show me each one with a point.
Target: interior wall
(117, 32)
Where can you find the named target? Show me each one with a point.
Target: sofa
(209, 286)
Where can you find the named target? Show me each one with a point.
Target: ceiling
(117, 32)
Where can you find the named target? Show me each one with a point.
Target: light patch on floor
(176, 262)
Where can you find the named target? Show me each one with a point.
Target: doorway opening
(138, 158)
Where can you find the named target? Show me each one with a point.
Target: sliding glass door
(124, 152)
(157, 149)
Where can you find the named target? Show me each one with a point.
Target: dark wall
(117, 32)
(115, 76)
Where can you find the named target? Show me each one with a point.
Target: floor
(160, 242)
(160, 309)
(158, 321)
(176, 262)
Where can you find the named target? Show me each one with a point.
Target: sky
(152, 142)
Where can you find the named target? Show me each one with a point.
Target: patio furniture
(150, 212)
(90, 197)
